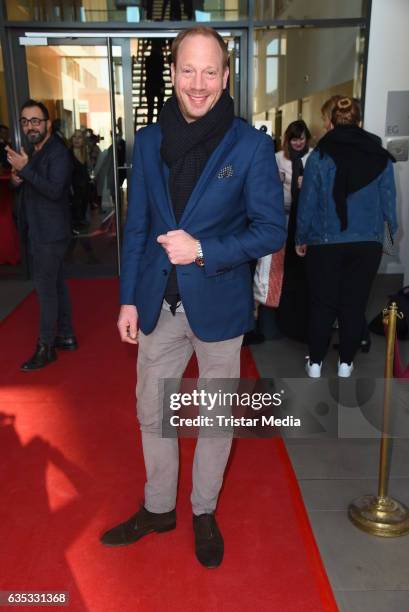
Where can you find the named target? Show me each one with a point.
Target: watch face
(200, 261)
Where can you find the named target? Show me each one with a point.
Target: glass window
(131, 11)
(73, 82)
(298, 69)
(310, 9)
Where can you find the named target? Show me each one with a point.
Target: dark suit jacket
(44, 207)
(236, 210)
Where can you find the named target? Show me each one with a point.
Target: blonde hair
(202, 31)
(79, 152)
(328, 106)
(347, 111)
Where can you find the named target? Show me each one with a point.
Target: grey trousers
(164, 354)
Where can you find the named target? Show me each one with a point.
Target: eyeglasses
(35, 121)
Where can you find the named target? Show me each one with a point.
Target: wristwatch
(199, 261)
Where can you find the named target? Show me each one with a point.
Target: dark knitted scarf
(297, 170)
(359, 158)
(185, 148)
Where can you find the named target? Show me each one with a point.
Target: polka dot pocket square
(225, 172)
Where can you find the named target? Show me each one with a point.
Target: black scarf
(185, 148)
(297, 170)
(359, 158)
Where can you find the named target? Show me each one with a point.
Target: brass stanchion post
(379, 514)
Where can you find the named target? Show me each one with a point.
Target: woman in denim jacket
(348, 194)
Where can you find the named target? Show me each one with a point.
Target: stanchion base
(381, 516)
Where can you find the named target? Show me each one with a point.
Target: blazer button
(165, 272)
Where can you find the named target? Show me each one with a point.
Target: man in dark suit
(43, 180)
(206, 199)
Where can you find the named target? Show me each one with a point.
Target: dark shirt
(44, 195)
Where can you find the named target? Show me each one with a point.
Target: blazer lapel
(161, 184)
(167, 199)
(209, 171)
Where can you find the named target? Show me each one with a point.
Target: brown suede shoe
(140, 524)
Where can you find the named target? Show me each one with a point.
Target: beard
(35, 137)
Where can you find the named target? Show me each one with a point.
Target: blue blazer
(236, 210)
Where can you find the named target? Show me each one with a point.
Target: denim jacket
(368, 208)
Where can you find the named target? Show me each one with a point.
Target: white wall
(388, 70)
(308, 69)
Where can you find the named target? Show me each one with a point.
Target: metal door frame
(241, 72)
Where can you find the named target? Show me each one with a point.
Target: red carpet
(399, 370)
(71, 466)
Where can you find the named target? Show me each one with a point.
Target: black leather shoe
(140, 524)
(66, 343)
(44, 354)
(209, 545)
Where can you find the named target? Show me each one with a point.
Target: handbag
(268, 279)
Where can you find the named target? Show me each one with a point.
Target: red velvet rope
(399, 371)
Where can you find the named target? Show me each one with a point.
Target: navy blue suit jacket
(43, 206)
(237, 214)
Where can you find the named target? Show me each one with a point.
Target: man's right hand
(127, 324)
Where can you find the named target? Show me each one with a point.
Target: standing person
(348, 194)
(291, 162)
(79, 181)
(326, 111)
(326, 115)
(154, 81)
(205, 200)
(293, 307)
(44, 181)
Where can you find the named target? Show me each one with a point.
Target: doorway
(99, 91)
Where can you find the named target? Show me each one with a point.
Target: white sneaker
(313, 369)
(345, 369)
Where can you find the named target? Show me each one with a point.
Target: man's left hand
(301, 250)
(181, 247)
(17, 160)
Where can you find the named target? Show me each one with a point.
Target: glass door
(73, 79)
(99, 91)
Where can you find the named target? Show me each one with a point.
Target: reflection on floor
(92, 252)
